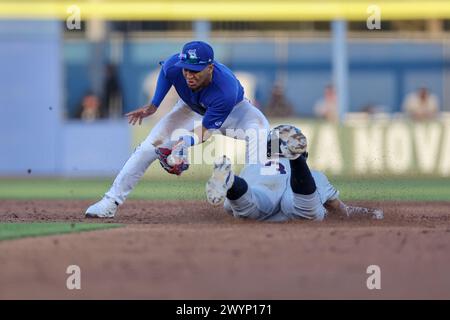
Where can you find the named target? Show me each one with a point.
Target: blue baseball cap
(195, 56)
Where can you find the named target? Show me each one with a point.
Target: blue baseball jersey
(213, 102)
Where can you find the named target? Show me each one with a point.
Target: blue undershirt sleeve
(162, 87)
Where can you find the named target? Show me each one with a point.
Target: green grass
(92, 189)
(9, 231)
(426, 189)
(423, 189)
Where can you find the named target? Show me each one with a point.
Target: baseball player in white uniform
(282, 189)
(211, 95)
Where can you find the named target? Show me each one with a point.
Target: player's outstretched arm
(336, 206)
(141, 113)
(179, 149)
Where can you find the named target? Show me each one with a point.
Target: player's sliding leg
(302, 181)
(307, 202)
(240, 199)
(224, 183)
(220, 182)
(304, 201)
(144, 155)
(305, 198)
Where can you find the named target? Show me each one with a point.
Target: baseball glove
(163, 153)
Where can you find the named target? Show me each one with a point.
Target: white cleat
(292, 141)
(105, 208)
(220, 182)
(378, 214)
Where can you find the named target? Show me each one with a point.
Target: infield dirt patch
(189, 250)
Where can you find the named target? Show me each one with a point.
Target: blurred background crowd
(403, 69)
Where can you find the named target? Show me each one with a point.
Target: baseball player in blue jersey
(282, 189)
(209, 94)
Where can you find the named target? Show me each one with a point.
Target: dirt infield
(188, 250)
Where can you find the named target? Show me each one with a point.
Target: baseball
(171, 160)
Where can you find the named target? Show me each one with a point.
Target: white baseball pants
(261, 203)
(243, 116)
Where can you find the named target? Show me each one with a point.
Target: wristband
(188, 140)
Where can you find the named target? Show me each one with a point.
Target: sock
(238, 189)
(302, 181)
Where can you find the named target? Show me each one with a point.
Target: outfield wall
(361, 147)
(381, 72)
(380, 147)
(31, 96)
(35, 137)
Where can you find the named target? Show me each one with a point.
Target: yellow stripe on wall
(226, 10)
